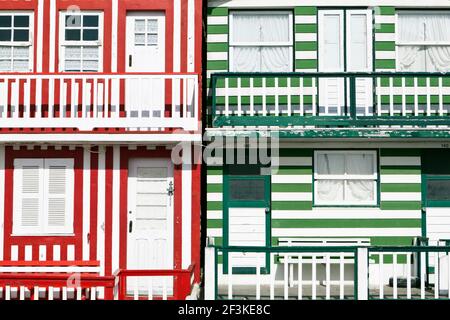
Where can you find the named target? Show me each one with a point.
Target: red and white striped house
(100, 117)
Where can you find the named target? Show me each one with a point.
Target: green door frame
(227, 203)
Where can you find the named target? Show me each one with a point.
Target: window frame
(290, 44)
(43, 229)
(345, 177)
(409, 43)
(68, 43)
(29, 43)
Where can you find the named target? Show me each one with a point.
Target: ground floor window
(345, 177)
(43, 196)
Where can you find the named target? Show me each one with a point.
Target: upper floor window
(16, 42)
(423, 41)
(345, 177)
(43, 196)
(81, 41)
(261, 41)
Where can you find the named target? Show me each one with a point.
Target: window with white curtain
(16, 42)
(261, 41)
(43, 196)
(423, 41)
(81, 41)
(345, 177)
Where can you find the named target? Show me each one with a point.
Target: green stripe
(306, 28)
(217, 47)
(214, 205)
(400, 205)
(400, 170)
(400, 187)
(290, 170)
(217, 65)
(385, 28)
(306, 64)
(214, 187)
(291, 205)
(305, 11)
(385, 64)
(386, 11)
(217, 29)
(217, 171)
(306, 46)
(385, 45)
(346, 223)
(219, 11)
(214, 223)
(400, 152)
(291, 187)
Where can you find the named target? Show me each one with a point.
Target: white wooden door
(145, 52)
(150, 221)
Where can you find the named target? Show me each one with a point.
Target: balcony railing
(87, 102)
(330, 99)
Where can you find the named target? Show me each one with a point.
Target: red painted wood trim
(93, 204)
(196, 211)
(109, 160)
(178, 217)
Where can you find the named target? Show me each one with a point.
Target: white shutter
(28, 195)
(58, 186)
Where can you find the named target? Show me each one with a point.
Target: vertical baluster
(428, 96)
(164, 288)
(95, 93)
(106, 102)
(327, 276)
(239, 96)
(277, 102)
(73, 97)
(62, 97)
(22, 293)
(378, 90)
(64, 293)
(7, 293)
(289, 103)
(150, 288)
(175, 96)
(136, 288)
(264, 97)
(440, 97)
(341, 275)
(258, 277)
(79, 293)
(83, 98)
(300, 277)
(408, 275)
(302, 97)
(394, 266)
(27, 98)
(185, 97)
(50, 293)
(416, 98)
(252, 102)
(51, 97)
(4, 98)
(314, 96)
(38, 98)
(314, 276)
(381, 275)
(100, 100)
(272, 276)
(36, 293)
(230, 276)
(391, 96)
(403, 96)
(422, 275)
(436, 275)
(286, 274)
(93, 293)
(15, 85)
(227, 97)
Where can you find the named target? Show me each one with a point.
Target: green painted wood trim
(345, 223)
(305, 11)
(217, 11)
(401, 187)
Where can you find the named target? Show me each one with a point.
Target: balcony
(128, 102)
(404, 102)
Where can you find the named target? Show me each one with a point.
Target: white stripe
(400, 178)
(214, 232)
(53, 35)
(400, 161)
(214, 179)
(177, 35)
(214, 214)
(305, 70)
(42, 253)
(217, 38)
(56, 252)
(295, 161)
(305, 19)
(305, 54)
(285, 178)
(305, 37)
(2, 192)
(401, 196)
(14, 253)
(342, 213)
(101, 210)
(384, 55)
(86, 200)
(209, 72)
(40, 35)
(28, 252)
(291, 196)
(116, 210)
(191, 36)
(71, 252)
(345, 232)
(217, 56)
(217, 20)
(384, 37)
(214, 196)
(384, 19)
(186, 181)
(115, 31)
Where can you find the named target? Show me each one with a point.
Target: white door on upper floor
(145, 52)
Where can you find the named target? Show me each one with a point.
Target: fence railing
(351, 99)
(84, 102)
(409, 272)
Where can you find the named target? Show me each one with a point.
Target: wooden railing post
(210, 273)
(362, 274)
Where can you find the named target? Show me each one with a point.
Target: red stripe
(49, 263)
(108, 209)
(93, 204)
(177, 234)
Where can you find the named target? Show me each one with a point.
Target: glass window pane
(246, 59)
(90, 21)
(73, 35)
(5, 35)
(21, 52)
(152, 39)
(275, 59)
(21, 35)
(90, 35)
(73, 21)
(139, 25)
(275, 27)
(139, 39)
(329, 191)
(247, 190)
(20, 65)
(359, 164)
(72, 65)
(330, 164)
(5, 52)
(5, 65)
(5, 21)
(152, 26)
(359, 191)
(246, 28)
(73, 52)
(21, 21)
(438, 190)
(90, 65)
(90, 53)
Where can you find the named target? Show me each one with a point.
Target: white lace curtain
(338, 180)
(427, 42)
(261, 42)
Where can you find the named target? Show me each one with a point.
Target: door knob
(267, 210)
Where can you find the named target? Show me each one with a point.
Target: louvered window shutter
(58, 186)
(28, 196)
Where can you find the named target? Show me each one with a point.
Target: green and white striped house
(355, 97)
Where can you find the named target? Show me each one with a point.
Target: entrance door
(150, 222)
(145, 52)
(345, 44)
(247, 206)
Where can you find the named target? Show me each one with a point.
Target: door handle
(130, 227)
(130, 60)
(267, 210)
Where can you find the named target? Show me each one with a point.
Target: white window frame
(345, 177)
(414, 43)
(43, 229)
(289, 43)
(29, 44)
(63, 43)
